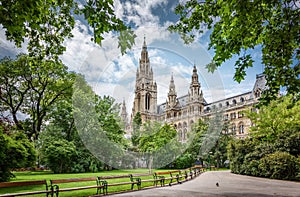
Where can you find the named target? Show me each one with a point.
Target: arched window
(257, 93)
(180, 135)
(184, 134)
(233, 128)
(242, 99)
(220, 105)
(233, 116)
(241, 128)
(191, 124)
(138, 102)
(234, 101)
(227, 103)
(147, 101)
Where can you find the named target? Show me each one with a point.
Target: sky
(110, 73)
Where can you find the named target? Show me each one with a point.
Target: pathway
(229, 185)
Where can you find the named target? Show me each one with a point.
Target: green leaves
(32, 87)
(241, 65)
(272, 148)
(240, 26)
(46, 24)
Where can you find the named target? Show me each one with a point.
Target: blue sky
(110, 73)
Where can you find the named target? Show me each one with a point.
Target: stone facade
(184, 111)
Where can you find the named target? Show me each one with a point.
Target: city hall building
(183, 111)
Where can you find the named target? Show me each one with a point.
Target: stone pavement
(229, 185)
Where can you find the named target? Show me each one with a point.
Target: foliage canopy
(272, 149)
(238, 27)
(46, 24)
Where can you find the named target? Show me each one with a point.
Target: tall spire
(195, 75)
(195, 85)
(144, 45)
(172, 86)
(124, 113)
(172, 96)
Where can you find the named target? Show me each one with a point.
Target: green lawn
(42, 175)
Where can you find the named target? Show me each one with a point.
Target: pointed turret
(172, 95)
(195, 85)
(124, 114)
(144, 60)
(195, 94)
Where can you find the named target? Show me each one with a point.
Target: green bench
(25, 183)
(56, 189)
(161, 177)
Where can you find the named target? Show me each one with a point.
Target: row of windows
(233, 129)
(234, 102)
(182, 134)
(233, 116)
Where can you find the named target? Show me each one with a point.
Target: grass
(48, 175)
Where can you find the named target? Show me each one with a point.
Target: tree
(137, 123)
(272, 149)
(59, 154)
(15, 151)
(46, 24)
(60, 126)
(31, 87)
(109, 121)
(240, 26)
(159, 142)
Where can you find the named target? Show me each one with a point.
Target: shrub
(15, 152)
(279, 165)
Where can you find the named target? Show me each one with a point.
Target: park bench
(199, 168)
(161, 177)
(25, 183)
(213, 168)
(55, 185)
(134, 179)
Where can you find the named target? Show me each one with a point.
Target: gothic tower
(145, 100)
(196, 102)
(172, 109)
(124, 117)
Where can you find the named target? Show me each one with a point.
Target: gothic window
(233, 128)
(226, 130)
(241, 128)
(226, 117)
(191, 124)
(180, 135)
(257, 93)
(179, 125)
(138, 102)
(233, 116)
(184, 134)
(147, 101)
